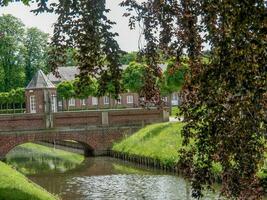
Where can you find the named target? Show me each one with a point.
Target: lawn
(15, 186)
(162, 141)
(159, 141)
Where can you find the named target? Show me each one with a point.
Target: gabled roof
(40, 81)
(69, 73)
(66, 74)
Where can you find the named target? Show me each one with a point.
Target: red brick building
(41, 95)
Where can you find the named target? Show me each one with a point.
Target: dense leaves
(82, 25)
(22, 52)
(133, 77)
(223, 99)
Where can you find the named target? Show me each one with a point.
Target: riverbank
(42, 158)
(158, 141)
(157, 145)
(15, 186)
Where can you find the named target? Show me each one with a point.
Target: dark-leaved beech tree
(223, 99)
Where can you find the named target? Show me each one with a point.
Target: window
(54, 103)
(83, 102)
(106, 100)
(129, 99)
(175, 96)
(94, 101)
(72, 102)
(119, 99)
(32, 104)
(60, 103)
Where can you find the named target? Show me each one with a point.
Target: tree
(35, 52)
(133, 77)
(65, 91)
(128, 57)
(11, 45)
(223, 99)
(98, 53)
(173, 79)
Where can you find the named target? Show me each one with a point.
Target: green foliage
(35, 52)
(173, 77)
(65, 90)
(128, 57)
(22, 53)
(97, 51)
(133, 77)
(224, 97)
(11, 47)
(15, 186)
(88, 90)
(15, 96)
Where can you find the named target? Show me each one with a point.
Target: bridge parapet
(96, 129)
(17, 122)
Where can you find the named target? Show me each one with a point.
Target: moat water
(101, 178)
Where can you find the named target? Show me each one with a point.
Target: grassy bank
(15, 186)
(162, 142)
(158, 141)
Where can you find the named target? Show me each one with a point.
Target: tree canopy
(224, 99)
(22, 52)
(133, 77)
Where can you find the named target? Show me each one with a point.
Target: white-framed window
(94, 101)
(119, 99)
(72, 102)
(129, 99)
(60, 103)
(175, 96)
(32, 104)
(106, 100)
(54, 103)
(83, 102)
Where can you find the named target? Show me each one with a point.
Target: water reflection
(32, 162)
(101, 178)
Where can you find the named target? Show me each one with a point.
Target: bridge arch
(89, 143)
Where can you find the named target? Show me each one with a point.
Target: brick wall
(96, 129)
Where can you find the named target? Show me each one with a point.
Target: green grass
(175, 111)
(15, 186)
(158, 141)
(51, 152)
(162, 141)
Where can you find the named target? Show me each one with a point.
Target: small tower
(40, 95)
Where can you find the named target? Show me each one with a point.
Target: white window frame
(32, 104)
(83, 102)
(175, 97)
(130, 99)
(54, 103)
(94, 101)
(106, 100)
(72, 102)
(60, 103)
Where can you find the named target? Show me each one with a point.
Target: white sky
(128, 39)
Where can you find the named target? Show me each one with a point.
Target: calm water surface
(103, 178)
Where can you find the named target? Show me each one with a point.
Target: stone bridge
(95, 130)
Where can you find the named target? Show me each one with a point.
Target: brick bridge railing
(96, 130)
